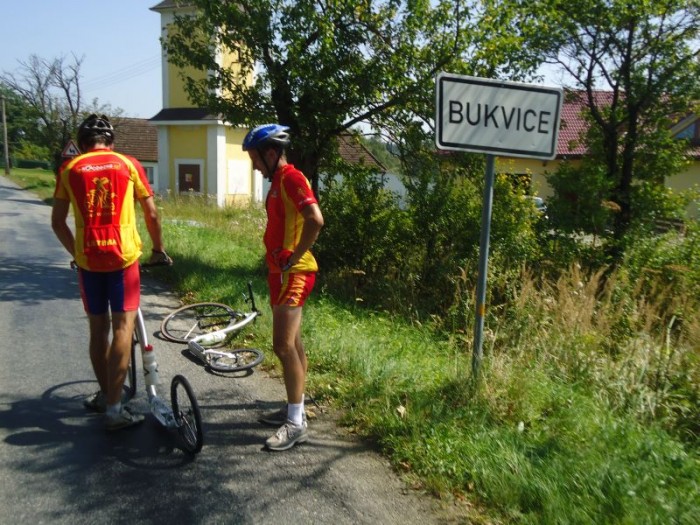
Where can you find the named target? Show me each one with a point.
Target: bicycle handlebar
(159, 263)
(252, 297)
(163, 262)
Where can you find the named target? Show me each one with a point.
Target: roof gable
(353, 151)
(169, 4)
(574, 125)
(136, 137)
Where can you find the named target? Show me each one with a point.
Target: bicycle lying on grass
(206, 326)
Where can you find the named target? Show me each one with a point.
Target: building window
(150, 174)
(189, 178)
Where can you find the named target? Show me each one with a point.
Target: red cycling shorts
(119, 290)
(290, 289)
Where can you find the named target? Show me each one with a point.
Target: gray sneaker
(276, 418)
(96, 402)
(124, 419)
(279, 417)
(287, 436)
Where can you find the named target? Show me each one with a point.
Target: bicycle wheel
(187, 414)
(235, 360)
(130, 381)
(196, 319)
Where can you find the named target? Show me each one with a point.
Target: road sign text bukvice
(497, 117)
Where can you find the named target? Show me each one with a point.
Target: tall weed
(630, 349)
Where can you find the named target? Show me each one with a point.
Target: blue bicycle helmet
(266, 135)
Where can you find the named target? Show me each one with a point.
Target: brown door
(189, 178)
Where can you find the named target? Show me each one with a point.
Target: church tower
(198, 152)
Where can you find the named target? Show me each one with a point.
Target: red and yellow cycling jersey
(289, 193)
(101, 186)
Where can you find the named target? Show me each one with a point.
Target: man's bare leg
(286, 325)
(99, 348)
(119, 354)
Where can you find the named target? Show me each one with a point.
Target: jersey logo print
(100, 200)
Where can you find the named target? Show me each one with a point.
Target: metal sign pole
(483, 267)
(4, 131)
(494, 117)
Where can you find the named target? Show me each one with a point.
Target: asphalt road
(58, 465)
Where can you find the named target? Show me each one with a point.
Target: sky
(118, 41)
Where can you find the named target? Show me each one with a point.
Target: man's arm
(313, 222)
(59, 224)
(150, 213)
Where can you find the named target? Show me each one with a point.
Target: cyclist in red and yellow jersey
(102, 186)
(294, 221)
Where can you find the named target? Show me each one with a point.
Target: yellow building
(569, 148)
(198, 152)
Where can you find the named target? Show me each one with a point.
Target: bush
(29, 164)
(419, 256)
(365, 235)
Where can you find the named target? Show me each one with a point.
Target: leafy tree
(382, 152)
(635, 65)
(19, 118)
(47, 93)
(322, 67)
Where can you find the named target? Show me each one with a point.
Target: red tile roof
(354, 152)
(573, 123)
(136, 137)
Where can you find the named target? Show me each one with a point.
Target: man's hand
(159, 258)
(282, 258)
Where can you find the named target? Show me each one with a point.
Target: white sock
(113, 410)
(294, 413)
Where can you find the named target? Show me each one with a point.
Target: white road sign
(70, 150)
(497, 117)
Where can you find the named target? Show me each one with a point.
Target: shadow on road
(59, 422)
(25, 280)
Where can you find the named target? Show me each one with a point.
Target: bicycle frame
(196, 345)
(204, 327)
(159, 408)
(188, 423)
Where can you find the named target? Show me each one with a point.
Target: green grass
(564, 427)
(38, 181)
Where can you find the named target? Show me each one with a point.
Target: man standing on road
(102, 185)
(294, 221)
